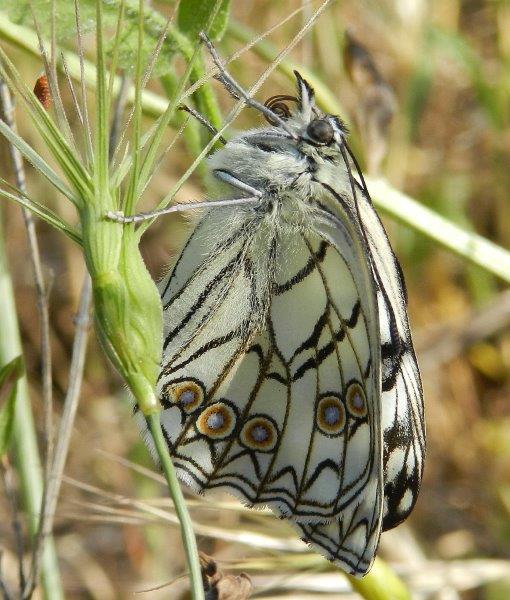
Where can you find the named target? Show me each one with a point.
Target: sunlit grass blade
(469, 245)
(41, 211)
(38, 162)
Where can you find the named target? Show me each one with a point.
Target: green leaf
(194, 15)
(9, 375)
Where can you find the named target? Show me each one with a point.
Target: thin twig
(54, 480)
(35, 259)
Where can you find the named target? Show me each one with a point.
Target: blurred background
(425, 89)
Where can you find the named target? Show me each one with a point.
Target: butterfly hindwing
(275, 399)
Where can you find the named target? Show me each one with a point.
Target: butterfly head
(312, 126)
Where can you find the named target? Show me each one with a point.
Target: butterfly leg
(235, 90)
(203, 121)
(119, 217)
(232, 180)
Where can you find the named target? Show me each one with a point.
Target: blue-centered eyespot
(330, 415)
(187, 394)
(217, 421)
(259, 433)
(356, 400)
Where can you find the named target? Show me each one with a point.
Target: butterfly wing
(402, 398)
(270, 377)
(212, 312)
(402, 416)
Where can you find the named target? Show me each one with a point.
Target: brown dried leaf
(218, 586)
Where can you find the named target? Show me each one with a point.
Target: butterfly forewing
(402, 419)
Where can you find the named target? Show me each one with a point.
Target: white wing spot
(405, 503)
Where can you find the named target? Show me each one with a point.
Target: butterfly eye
(321, 131)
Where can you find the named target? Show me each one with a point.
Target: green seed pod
(128, 311)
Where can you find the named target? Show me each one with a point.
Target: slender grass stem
(40, 287)
(187, 533)
(65, 429)
(25, 441)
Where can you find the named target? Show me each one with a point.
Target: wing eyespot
(259, 433)
(330, 415)
(356, 400)
(217, 421)
(187, 394)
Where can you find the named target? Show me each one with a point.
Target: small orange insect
(42, 91)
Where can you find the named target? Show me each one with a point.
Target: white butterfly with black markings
(288, 374)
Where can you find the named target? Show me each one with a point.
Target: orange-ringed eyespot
(187, 394)
(217, 421)
(330, 415)
(259, 433)
(356, 401)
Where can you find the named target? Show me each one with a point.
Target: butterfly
(288, 374)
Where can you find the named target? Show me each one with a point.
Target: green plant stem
(381, 583)
(25, 441)
(466, 244)
(187, 533)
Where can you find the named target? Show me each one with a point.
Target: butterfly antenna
(359, 172)
(235, 90)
